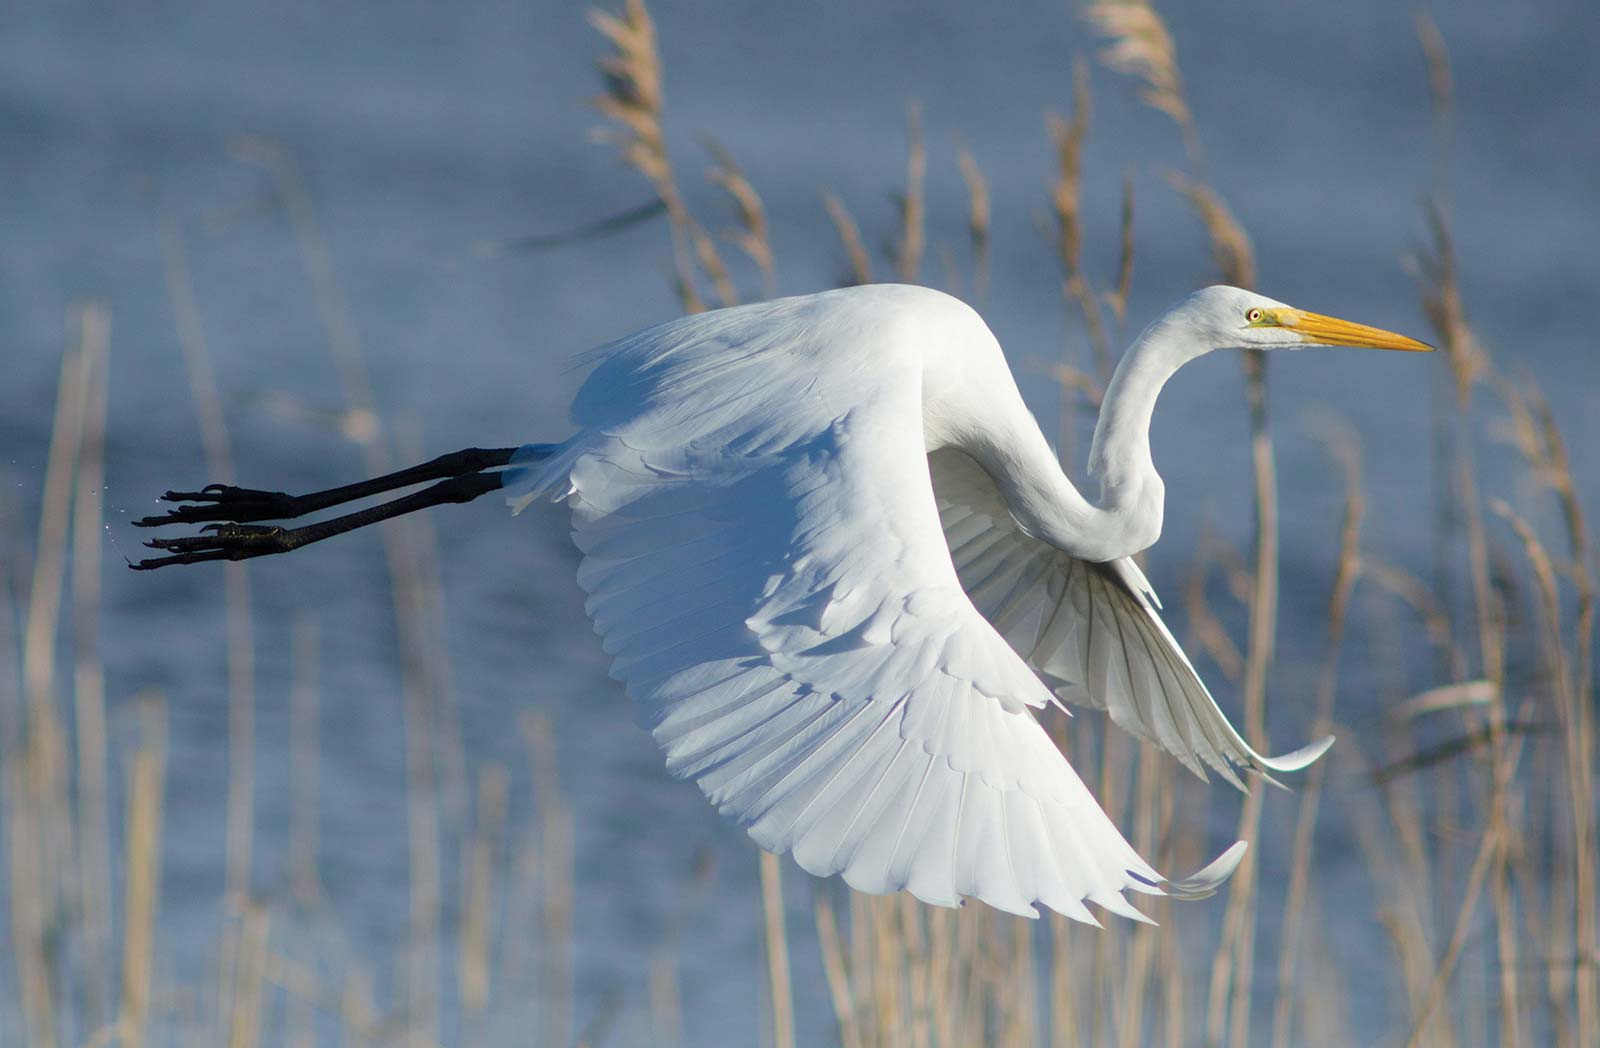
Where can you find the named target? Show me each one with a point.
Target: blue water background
(421, 130)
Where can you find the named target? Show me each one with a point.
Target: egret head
(1227, 317)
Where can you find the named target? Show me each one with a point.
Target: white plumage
(839, 569)
(832, 556)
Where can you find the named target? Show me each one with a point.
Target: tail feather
(540, 471)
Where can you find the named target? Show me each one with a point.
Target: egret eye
(1253, 316)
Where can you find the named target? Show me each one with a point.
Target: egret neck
(1127, 513)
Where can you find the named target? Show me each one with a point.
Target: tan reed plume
(1142, 47)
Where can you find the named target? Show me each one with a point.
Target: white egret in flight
(838, 569)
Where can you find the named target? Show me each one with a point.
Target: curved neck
(1127, 515)
(997, 430)
(1119, 458)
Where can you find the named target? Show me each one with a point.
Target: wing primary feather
(911, 810)
(1220, 758)
(815, 753)
(1172, 738)
(1055, 613)
(861, 807)
(1185, 749)
(840, 770)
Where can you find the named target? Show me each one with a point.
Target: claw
(224, 502)
(222, 541)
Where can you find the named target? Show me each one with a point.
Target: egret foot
(234, 540)
(224, 502)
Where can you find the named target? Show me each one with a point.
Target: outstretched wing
(768, 572)
(1092, 630)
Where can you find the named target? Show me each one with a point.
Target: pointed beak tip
(1331, 331)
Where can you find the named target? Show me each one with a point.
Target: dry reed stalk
(1543, 449)
(1344, 447)
(1441, 95)
(887, 982)
(304, 762)
(1229, 243)
(15, 567)
(1402, 915)
(1018, 979)
(93, 823)
(1205, 630)
(1142, 48)
(968, 1011)
(949, 268)
(142, 873)
(978, 218)
(1064, 1011)
(1414, 593)
(1240, 918)
(1133, 1003)
(858, 965)
(1489, 847)
(244, 1025)
(1441, 299)
(1066, 203)
(15, 813)
(666, 1006)
(27, 916)
(303, 993)
(1115, 752)
(1081, 383)
(915, 969)
(1436, 274)
(207, 402)
(908, 248)
(941, 945)
(516, 964)
(1235, 260)
(1066, 192)
(1326, 1012)
(1558, 475)
(752, 235)
(633, 102)
(1152, 816)
(46, 814)
(401, 542)
(430, 628)
(304, 990)
(358, 1018)
(1117, 297)
(1578, 763)
(705, 253)
(850, 239)
(666, 998)
(836, 972)
(423, 844)
(555, 834)
(478, 890)
(1170, 972)
(219, 464)
(777, 951)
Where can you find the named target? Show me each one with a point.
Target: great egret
(838, 567)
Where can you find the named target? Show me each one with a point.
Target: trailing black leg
(222, 502)
(232, 540)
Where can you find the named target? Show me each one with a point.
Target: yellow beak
(1331, 331)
